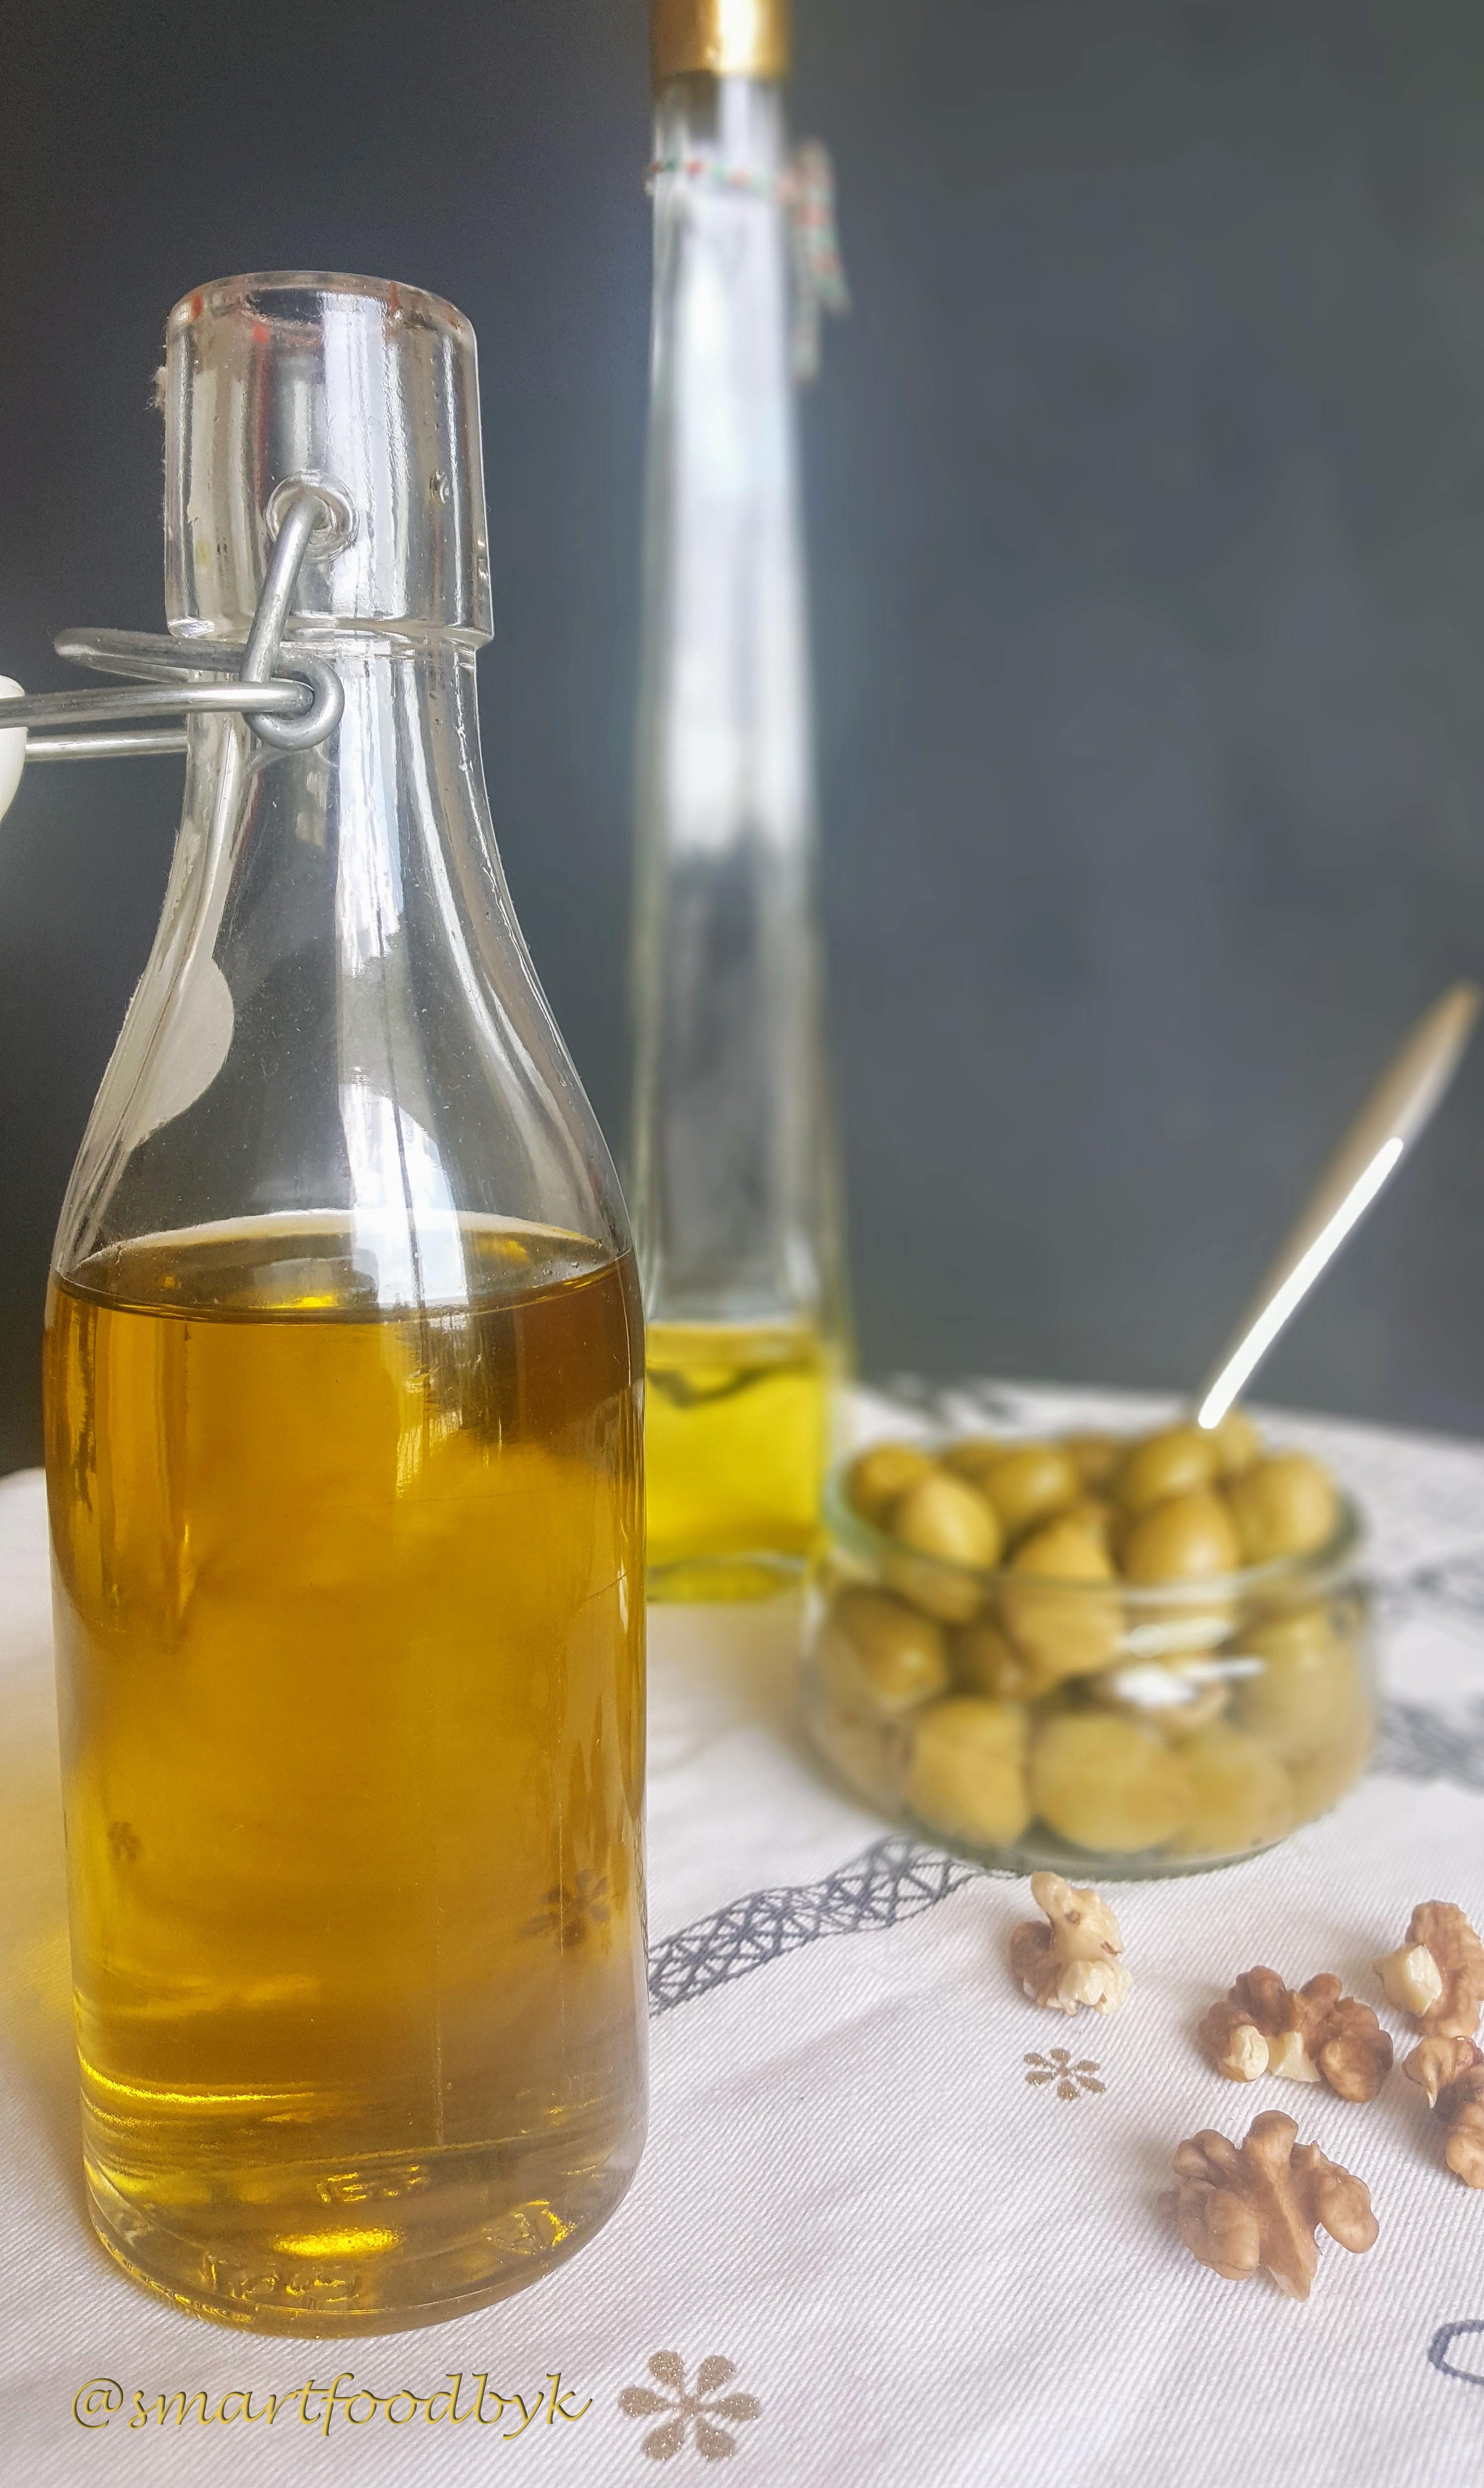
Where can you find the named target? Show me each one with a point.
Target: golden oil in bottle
(736, 1437)
(350, 1612)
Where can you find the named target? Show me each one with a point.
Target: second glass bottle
(733, 1187)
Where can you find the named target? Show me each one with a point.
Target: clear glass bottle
(343, 1365)
(733, 1175)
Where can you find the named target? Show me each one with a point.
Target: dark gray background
(1146, 512)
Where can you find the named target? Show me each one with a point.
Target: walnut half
(1313, 2033)
(1256, 2208)
(1076, 1959)
(1451, 2072)
(1437, 1974)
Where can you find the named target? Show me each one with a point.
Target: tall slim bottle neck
(726, 753)
(733, 1186)
(737, 120)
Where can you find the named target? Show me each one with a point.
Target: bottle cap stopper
(721, 38)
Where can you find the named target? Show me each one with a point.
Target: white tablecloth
(922, 2268)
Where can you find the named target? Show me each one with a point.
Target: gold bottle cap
(728, 37)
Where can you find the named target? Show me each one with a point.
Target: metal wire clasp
(291, 703)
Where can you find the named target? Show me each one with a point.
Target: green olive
(869, 1754)
(1238, 1443)
(1052, 1614)
(1064, 1550)
(1029, 1484)
(1283, 1634)
(947, 1518)
(984, 1662)
(972, 1457)
(1189, 1538)
(952, 1597)
(1094, 1456)
(1285, 1506)
(1241, 1796)
(1107, 1783)
(966, 1777)
(1310, 1689)
(1097, 1517)
(946, 1533)
(876, 1477)
(880, 1655)
(1180, 1461)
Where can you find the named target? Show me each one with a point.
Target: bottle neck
(734, 122)
(724, 737)
(340, 1014)
(391, 796)
(731, 1150)
(379, 844)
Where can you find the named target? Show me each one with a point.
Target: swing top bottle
(342, 1432)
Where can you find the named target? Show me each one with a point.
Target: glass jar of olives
(1123, 1657)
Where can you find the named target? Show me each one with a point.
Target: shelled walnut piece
(1437, 1974)
(1076, 1959)
(1313, 2033)
(1256, 2208)
(1451, 2072)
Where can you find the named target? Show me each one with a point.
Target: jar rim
(1313, 1571)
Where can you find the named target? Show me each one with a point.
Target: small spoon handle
(1398, 1108)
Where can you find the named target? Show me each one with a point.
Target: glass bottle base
(378, 2249)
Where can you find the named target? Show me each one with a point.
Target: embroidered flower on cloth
(701, 2408)
(1071, 2080)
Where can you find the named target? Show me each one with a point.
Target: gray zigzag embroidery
(897, 1878)
(1456, 1583)
(1417, 1743)
(893, 1879)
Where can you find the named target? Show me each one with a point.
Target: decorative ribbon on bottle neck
(805, 189)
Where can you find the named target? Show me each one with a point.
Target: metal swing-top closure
(282, 394)
(290, 703)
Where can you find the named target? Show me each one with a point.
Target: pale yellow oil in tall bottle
(736, 1437)
(350, 1652)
